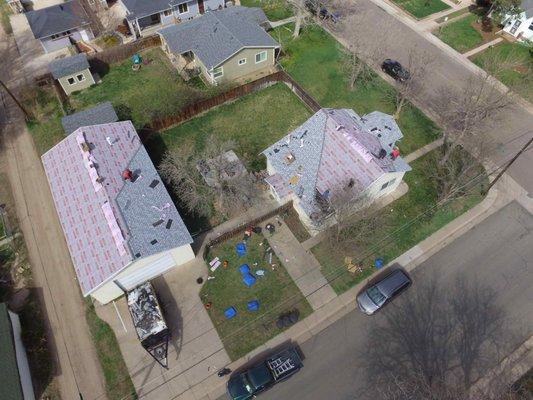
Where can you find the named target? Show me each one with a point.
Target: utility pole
(26, 114)
(522, 150)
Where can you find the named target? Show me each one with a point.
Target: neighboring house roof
(68, 65)
(103, 113)
(143, 8)
(9, 378)
(217, 35)
(110, 222)
(329, 150)
(56, 19)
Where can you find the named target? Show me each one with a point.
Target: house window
(531, 27)
(260, 57)
(183, 8)
(242, 61)
(80, 77)
(71, 81)
(166, 13)
(218, 72)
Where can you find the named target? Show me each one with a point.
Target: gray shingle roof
(58, 18)
(103, 113)
(154, 222)
(384, 127)
(68, 65)
(9, 378)
(217, 35)
(142, 8)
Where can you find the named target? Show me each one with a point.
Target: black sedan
(396, 70)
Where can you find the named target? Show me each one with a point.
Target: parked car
(258, 378)
(324, 13)
(376, 296)
(396, 70)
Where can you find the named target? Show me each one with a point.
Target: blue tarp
(253, 305)
(230, 312)
(240, 248)
(248, 279)
(378, 263)
(244, 269)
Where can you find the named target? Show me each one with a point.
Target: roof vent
(289, 158)
(339, 127)
(157, 223)
(169, 224)
(153, 242)
(110, 140)
(127, 175)
(154, 183)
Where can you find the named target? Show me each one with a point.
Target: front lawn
(391, 239)
(275, 10)
(519, 76)
(465, 33)
(422, 8)
(315, 61)
(253, 122)
(155, 90)
(275, 291)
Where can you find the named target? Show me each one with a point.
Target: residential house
(73, 73)
(15, 379)
(223, 45)
(334, 150)
(60, 26)
(103, 113)
(521, 26)
(120, 224)
(146, 16)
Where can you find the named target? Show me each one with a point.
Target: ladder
(280, 366)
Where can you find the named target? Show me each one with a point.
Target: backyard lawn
(153, 91)
(390, 241)
(315, 61)
(275, 10)
(462, 35)
(275, 291)
(518, 77)
(253, 122)
(422, 8)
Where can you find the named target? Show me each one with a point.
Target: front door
(201, 6)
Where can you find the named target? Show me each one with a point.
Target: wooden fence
(204, 105)
(242, 227)
(119, 53)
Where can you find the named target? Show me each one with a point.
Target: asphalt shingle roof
(217, 35)
(9, 378)
(143, 8)
(58, 18)
(103, 113)
(68, 65)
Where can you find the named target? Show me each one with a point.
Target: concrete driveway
(498, 252)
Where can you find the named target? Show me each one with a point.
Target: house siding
(522, 31)
(68, 88)
(232, 70)
(50, 45)
(110, 291)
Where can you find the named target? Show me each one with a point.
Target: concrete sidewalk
(302, 266)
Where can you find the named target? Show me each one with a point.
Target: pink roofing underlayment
(92, 224)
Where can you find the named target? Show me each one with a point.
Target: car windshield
(376, 296)
(239, 387)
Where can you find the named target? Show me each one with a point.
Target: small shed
(103, 113)
(73, 73)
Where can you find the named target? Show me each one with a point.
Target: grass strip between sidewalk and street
(422, 8)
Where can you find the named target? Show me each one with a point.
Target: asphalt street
(370, 27)
(498, 252)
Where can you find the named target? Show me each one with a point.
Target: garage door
(150, 271)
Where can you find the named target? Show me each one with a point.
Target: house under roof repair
(334, 150)
(120, 224)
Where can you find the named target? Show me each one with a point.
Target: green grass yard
(315, 61)
(461, 34)
(422, 196)
(253, 122)
(275, 10)
(276, 293)
(422, 8)
(518, 77)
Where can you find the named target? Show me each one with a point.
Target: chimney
(127, 175)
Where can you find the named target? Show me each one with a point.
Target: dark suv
(376, 296)
(395, 69)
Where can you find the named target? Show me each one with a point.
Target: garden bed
(391, 239)
(315, 61)
(275, 291)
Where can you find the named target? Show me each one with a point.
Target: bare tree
(433, 344)
(301, 12)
